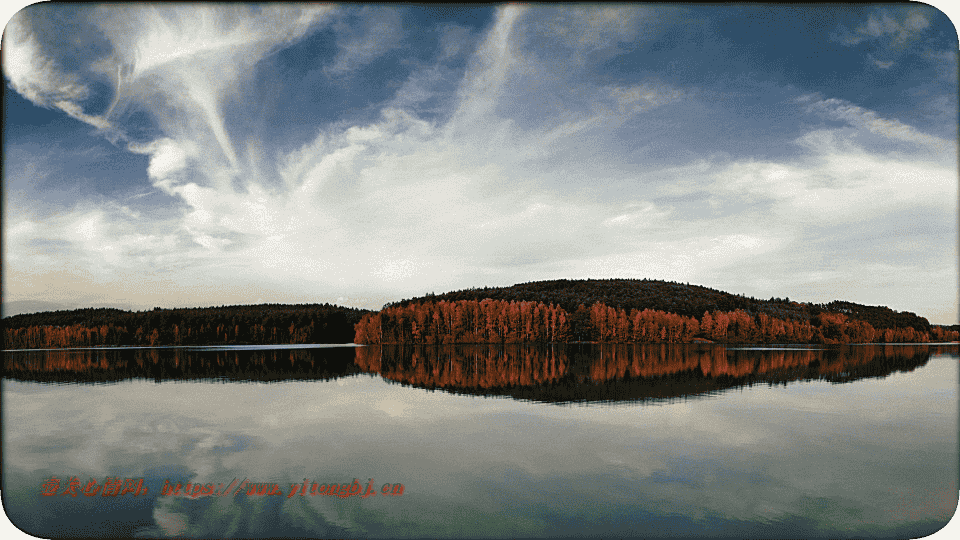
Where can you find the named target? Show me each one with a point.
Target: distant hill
(671, 297)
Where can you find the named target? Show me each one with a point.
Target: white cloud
(31, 73)
(838, 109)
(638, 215)
(882, 24)
(182, 62)
(39, 77)
(844, 185)
(381, 31)
(151, 38)
(671, 259)
(589, 34)
(351, 178)
(76, 111)
(484, 193)
(166, 158)
(487, 72)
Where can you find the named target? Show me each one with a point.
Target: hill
(609, 310)
(671, 297)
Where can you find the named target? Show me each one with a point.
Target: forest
(612, 310)
(264, 324)
(672, 297)
(501, 321)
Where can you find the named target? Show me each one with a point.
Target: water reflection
(615, 372)
(243, 363)
(569, 373)
(841, 442)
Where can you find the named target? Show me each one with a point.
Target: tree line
(265, 324)
(500, 321)
(436, 320)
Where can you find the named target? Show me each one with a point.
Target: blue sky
(207, 154)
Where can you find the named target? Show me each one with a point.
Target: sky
(206, 154)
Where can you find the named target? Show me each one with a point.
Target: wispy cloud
(533, 143)
(33, 75)
(883, 24)
(870, 121)
(380, 30)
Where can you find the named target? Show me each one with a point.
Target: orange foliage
(499, 321)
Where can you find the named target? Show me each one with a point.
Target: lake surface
(656, 441)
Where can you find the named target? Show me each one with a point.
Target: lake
(460, 441)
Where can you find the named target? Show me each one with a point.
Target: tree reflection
(616, 372)
(548, 373)
(105, 365)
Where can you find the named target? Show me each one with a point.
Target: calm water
(487, 442)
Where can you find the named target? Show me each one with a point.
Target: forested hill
(616, 310)
(671, 297)
(256, 324)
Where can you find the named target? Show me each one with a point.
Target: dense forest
(611, 310)
(671, 297)
(224, 325)
(501, 321)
